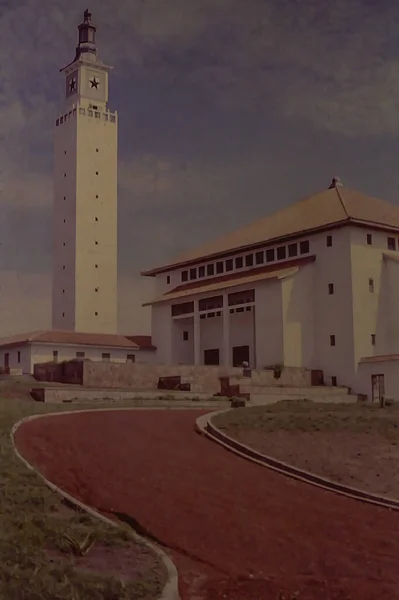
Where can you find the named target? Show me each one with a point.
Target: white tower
(85, 196)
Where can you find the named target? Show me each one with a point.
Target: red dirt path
(236, 529)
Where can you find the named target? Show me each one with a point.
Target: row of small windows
(64, 267)
(106, 356)
(259, 258)
(90, 113)
(331, 288)
(392, 243)
(372, 339)
(214, 303)
(249, 260)
(218, 313)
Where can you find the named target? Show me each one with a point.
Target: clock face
(72, 84)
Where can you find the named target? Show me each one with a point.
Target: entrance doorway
(240, 354)
(377, 387)
(211, 357)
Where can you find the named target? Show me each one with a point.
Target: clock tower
(85, 196)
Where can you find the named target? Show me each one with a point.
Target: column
(226, 331)
(197, 334)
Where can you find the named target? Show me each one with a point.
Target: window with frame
(183, 308)
(334, 381)
(304, 247)
(210, 270)
(329, 241)
(130, 358)
(249, 260)
(369, 239)
(244, 297)
(55, 355)
(292, 250)
(184, 275)
(185, 336)
(270, 255)
(212, 303)
(220, 267)
(193, 273)
(330, 288)
(201, 271)
(106, 356)
(373, 339)
(80, 354)
(168, 279)
(371, 285)
(19, 356)
(332, 340)
(259, 257)
(281, 252)
(391, 243)
(239, 261)
(229, 264)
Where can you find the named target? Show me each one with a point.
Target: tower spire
(87, 38)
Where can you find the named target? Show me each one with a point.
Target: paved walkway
(235, 529)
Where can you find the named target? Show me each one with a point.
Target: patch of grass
(308, 416)
(37, 562)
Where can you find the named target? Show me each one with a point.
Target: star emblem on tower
(94, 83)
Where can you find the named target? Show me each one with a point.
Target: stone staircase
(262, 387)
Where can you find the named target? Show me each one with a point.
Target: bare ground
(356, 445)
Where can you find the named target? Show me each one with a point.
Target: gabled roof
(70, 337)
(336, 206)
(143, 341)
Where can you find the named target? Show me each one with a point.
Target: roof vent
(336, 182)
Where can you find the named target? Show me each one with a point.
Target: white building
(85, 228)
(20, 353)
(85, 196)
(315, 285)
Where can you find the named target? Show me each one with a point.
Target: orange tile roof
(143, 341)
(336, 206)
(70, 337)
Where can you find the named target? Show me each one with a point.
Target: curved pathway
(235, 529)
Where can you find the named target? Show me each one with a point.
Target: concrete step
(264, 399)
(291, 390)
(79, 394)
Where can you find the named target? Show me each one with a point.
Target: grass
(37, 561)
(309, 416)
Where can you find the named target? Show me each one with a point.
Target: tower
(85, 196)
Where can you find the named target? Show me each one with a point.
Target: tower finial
(87, 37)
(336, 182)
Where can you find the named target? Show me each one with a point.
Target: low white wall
(388, 368)
(25, 358)
(31, 354)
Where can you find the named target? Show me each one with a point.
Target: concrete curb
(171, 588)
(206, 427)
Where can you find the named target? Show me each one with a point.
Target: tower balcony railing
(104, 115)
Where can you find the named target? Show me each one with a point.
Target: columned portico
(226, 331)
(197, 334)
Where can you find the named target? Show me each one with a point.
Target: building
(84, 313)
(19, 353)
(314, 285)
(85, 196)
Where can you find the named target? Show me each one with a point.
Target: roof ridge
(342, 202)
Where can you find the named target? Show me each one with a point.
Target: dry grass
(37, 562)
(309, 416)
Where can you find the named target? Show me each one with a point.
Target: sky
(228, 111)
